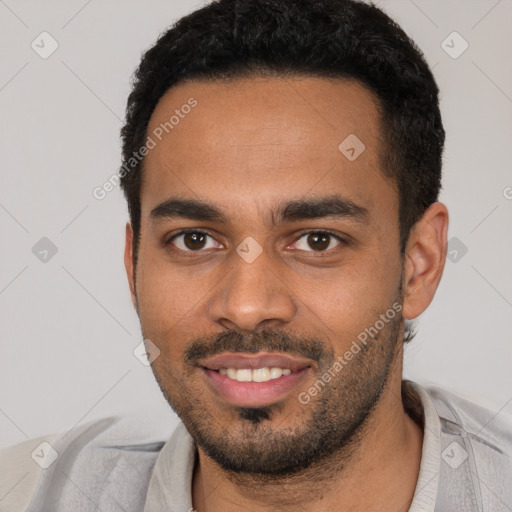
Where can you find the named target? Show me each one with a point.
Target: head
(282, 163)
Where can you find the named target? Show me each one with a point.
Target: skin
(247, 147)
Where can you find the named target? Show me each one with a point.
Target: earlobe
(128, 262)
(425, 256)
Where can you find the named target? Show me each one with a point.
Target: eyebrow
(295, 210)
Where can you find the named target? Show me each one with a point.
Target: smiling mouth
(257, 375)
(253, 380)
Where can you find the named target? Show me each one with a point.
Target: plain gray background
(68, 326)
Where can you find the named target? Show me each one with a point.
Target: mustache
(264, 341)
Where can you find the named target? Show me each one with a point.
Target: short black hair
(349, 39)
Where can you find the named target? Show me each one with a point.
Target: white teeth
(244, 375)
(261, 375)
(256, 375)
(275, 373)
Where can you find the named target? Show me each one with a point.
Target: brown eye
(194, 241)
(317, 241)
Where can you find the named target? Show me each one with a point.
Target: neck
(379, 471)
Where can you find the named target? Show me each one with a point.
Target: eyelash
(340, 239)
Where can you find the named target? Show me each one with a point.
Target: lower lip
(253, 394)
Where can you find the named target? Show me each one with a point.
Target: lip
(254, 394)
(258, 360)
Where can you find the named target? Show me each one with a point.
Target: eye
(318, 241)
(193, 241)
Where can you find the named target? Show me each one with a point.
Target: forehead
(261, 139)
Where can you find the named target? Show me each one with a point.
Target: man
(282, 163)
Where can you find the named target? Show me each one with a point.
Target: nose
(252, 297)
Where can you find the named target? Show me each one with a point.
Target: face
(268, 254)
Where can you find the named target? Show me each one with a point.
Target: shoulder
(20, 471)
(105, 462)
(491, 427)
(474, 452)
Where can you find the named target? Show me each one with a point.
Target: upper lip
(240, 360)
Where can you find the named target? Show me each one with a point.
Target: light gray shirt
(133, 463)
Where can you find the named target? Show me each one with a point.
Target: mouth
(254, 380)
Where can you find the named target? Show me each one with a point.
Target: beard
(262, 441)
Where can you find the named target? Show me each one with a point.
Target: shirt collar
(425, 494)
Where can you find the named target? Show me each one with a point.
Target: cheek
(162, 297)
(347, 300)
(172, 300)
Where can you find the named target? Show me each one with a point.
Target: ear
(425, 256)
(128, 262)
